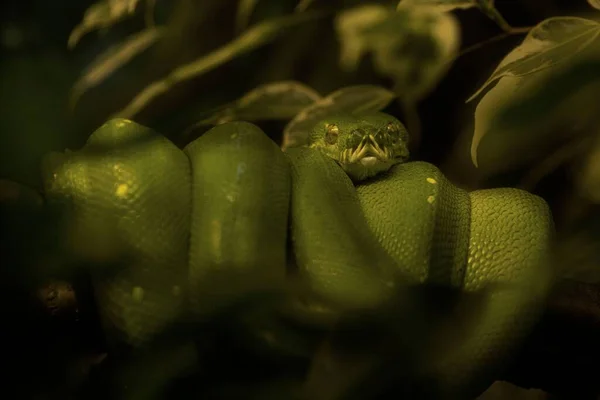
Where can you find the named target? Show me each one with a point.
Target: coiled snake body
(225, 203)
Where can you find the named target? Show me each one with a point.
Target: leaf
(101, 15)
(564, 98)
(351, 99)
(251, 39)
(496, 98)
(278, 100)
(114, 58)
(244, 11)
(548, 43)
(485, 6)
(563, 88)
(439, 5)
(414, 46)
(350, 26)
(594, 3)
(523, 117)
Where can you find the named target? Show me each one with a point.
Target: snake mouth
(368, 153)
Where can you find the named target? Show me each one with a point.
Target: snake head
(363, 145)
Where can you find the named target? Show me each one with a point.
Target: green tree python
(362, 221)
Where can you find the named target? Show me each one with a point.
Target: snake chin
(366, 167)
(369, 161)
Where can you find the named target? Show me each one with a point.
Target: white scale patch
(368, 161)
(431, 199)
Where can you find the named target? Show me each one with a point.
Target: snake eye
(332, 133)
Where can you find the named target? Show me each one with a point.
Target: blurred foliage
(102, 15)
(112, 59)
(181, 66)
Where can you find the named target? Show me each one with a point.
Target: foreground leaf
(113, 59)
(352, 99)
(414, 46)
(101, 15)
(550, 42)
(251, 39)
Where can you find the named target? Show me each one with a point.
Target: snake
(362, 221)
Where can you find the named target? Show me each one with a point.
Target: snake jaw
(367, 159)
(359, 153)
(367, 148)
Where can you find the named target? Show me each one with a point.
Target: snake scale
(360, 222)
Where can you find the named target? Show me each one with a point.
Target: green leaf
(485, 6)
(594, 3)
(414, 46)
(439, 5)
(550, 42)
(567, 97)
(244, 11)
(278, 100)
(102, 15)
(500, 142)
(564, 88)
(351, 99)
(525, 117)
(249, 40)
(351, 25)
(271, 101)
(114, 58)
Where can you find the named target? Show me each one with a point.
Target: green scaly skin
(225, 202)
